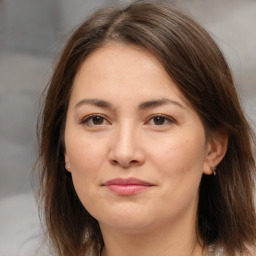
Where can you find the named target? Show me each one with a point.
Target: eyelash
(86, 120)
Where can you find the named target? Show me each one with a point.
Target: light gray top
(212, 251)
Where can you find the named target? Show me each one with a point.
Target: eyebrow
(157, 103)
(95, 102)
(144, 105)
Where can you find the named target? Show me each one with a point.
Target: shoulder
(251, 251)
(219, 251)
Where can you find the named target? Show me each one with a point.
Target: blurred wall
(29, 25)
(35, 25)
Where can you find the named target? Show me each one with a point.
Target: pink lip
(127, 187)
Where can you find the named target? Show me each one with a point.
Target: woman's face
(136, 149)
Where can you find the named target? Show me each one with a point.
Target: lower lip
(126, 190)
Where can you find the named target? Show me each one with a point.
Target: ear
(215, 151)
(67, 164)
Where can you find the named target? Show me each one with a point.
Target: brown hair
(226, 213)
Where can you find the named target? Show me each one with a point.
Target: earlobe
(216, 150)
(67, 164)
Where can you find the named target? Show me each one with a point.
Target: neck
(175, 240)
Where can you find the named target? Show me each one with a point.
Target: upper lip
(127, 181)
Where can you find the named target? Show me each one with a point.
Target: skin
(135, 133)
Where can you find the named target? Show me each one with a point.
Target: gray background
(32, 33)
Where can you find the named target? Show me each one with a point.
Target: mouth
(126, 187)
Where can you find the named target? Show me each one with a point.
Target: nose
(126, 148)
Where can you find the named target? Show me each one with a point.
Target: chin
(126, 221)
(127, 226)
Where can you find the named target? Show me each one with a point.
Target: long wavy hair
(226, 213)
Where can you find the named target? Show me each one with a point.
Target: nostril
(114, 162)
(124, 163)
(133, 162)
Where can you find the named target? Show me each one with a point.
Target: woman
(144, 146)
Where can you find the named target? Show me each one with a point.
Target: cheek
(181, 166)
(180, 162)
(180, 155)
(84, 155)
(86, 159)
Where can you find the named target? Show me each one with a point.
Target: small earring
(67, 166)
(214, 170)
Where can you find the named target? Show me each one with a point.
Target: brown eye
(94, 120)
(97, 120)
(159, 120)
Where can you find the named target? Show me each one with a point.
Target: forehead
(120, 69)
(114, 59)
